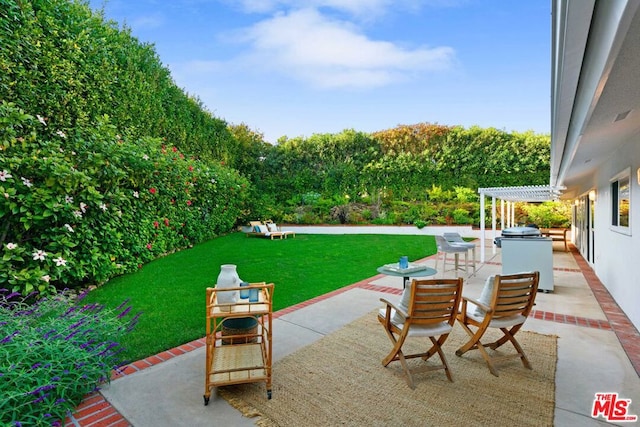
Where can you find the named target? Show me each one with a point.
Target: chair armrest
(474, 301)
(390, 305)
(462, 310)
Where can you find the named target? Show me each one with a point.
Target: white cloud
(257, 6)
(152, 21)
(354, 7)
(267, 6)
(360, 8)
(333, 53)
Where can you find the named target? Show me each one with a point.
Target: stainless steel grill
(519, 232)
(524, 249)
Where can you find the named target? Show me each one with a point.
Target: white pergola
(508, 196)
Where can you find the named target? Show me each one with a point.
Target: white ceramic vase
(228, 278)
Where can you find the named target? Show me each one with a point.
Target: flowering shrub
(79, 208)
(52, 353)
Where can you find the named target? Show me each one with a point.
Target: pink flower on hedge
(156, 224)
(166, 222)
(152, 190)
(190, 168)
(174, 149)
(39, 255)
(188, 202)
(60, 261)
(4, 175)
(149, 246)
(11, 246)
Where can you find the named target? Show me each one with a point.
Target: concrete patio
(598, 351)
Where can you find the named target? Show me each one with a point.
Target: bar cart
(236, 356)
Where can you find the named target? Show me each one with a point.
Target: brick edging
(625, 331)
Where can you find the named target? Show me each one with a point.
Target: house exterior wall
(617, 255)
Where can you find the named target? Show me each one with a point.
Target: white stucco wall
(617, 255)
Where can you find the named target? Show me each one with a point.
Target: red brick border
(626, 332)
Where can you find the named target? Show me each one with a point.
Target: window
(621, 200)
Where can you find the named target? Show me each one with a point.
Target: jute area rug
(340, 380)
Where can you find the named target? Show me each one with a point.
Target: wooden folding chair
(505, 303)
(427, 309)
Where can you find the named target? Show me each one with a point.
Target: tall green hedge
(403, 163)
(65, 62)
(105, 163)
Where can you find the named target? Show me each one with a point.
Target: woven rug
(340, 380)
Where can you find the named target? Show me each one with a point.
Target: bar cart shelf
(237, 356)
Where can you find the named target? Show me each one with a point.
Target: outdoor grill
(525, 249)
(518, 232)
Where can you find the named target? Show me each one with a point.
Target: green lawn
(171, 290)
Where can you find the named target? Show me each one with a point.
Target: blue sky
(298, 67)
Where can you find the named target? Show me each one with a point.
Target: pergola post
(493, 222)
(510, 195)
(482, 237)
